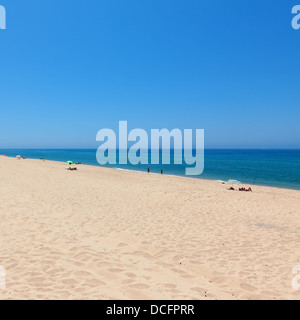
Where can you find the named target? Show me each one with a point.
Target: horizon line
(208, 148)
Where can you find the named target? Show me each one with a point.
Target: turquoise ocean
(277, 168)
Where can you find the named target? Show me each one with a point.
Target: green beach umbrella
(70, 162)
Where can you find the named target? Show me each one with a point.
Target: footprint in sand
(115, 270)
(94, 283)
(69, 282)
(199, 290)
(247, 287)
(187, 276)
(139, 286)
(128, 281)
(122, 244)
(84, 274)
(169, 286)
(130, 275)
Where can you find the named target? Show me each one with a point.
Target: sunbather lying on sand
(244, 189)
(72, 169)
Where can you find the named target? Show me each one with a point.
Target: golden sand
(100, 233)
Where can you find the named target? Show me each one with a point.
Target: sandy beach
(100, 233)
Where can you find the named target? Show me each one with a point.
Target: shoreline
(157, 173)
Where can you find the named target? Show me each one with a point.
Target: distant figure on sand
(244, 189)
(161, 172)
(71, 169)
(148, 170)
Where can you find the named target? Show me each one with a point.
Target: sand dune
(106, 234)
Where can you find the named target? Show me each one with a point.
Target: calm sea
(278, 168)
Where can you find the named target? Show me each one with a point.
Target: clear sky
(70, 68)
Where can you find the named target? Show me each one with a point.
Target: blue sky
(71, 68)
